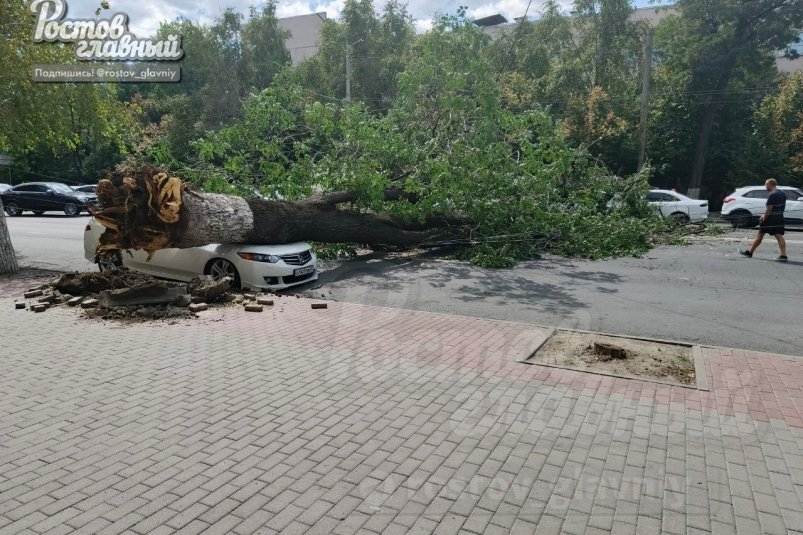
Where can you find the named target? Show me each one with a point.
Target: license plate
(304, 271)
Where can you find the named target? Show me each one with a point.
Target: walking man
(771, 222)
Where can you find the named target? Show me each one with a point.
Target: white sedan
(672, 204)
(252, 267)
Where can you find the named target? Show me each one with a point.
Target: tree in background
(776, 141)
(584, 69)
(378, 54)
(58, 130)
(716, 43)
(223, 64)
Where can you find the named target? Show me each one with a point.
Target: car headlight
(257, 257)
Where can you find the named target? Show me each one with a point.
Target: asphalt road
(49, 241)
(704, 293)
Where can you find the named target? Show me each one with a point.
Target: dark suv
(41, 197)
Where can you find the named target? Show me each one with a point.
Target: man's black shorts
(772, 225)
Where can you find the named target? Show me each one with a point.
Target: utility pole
(645, 99)
(348, 70)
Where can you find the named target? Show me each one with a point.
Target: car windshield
(61, 188)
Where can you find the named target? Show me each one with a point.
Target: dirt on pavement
(642, 359)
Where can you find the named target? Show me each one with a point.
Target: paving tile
(430, 427)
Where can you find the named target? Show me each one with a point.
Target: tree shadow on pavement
(459, 281)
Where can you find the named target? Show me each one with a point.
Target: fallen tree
(146, 208)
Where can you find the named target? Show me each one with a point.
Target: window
(792, 194)
(657, 196)
(757, 194)
(60, 188)
(27, 187)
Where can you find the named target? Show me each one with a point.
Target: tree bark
(8, 260)
(710, 112)
(146, 209)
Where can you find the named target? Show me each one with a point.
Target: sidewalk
(375, 420)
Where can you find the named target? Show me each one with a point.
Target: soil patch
(655, 361)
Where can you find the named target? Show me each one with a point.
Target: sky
(145, 15)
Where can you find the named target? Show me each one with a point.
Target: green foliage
(448, 142)
(331, 251)
(67, 131)
(716, 55)
(776, 143)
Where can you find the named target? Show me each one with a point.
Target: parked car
(672, 204)
(87, 188)
(679, 207)
(41, 197)
(4, 187)
(253, 267)
(744, 206)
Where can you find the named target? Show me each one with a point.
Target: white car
(672, 204)
(744, 206)
(253, 267)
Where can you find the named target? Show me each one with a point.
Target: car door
(755, 201)
(794, 205)
(670, 204)
(655, 199)
(49, 199)
(22, 195)
(167, 263)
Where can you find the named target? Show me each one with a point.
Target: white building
(305, 35)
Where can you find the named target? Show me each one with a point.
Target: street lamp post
(348, 69)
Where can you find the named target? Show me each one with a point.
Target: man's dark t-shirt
(774, 223)
(777, 200)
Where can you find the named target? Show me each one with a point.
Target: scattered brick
(264, 301)
(89, 303)
(41, 307)
(198, 307)
(75, 301)
(253, 308)
(319, 305)
(19, 305)
(30, 294)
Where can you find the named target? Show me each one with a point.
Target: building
(305, 34)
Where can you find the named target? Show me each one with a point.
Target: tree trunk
(710, 112)
(148, 210)
(703, 141)
(8, 261)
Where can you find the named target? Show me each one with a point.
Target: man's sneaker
(748, 254)
(782, 259)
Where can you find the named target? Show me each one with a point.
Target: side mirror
(51, 192)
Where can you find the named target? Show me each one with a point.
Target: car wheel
(220, 267)
(681, 218)
(72, 209)
(109, 261)
(13, 209)
(742, 219)
(38, 212)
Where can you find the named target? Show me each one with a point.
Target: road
(704, 293)
(49, 241)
